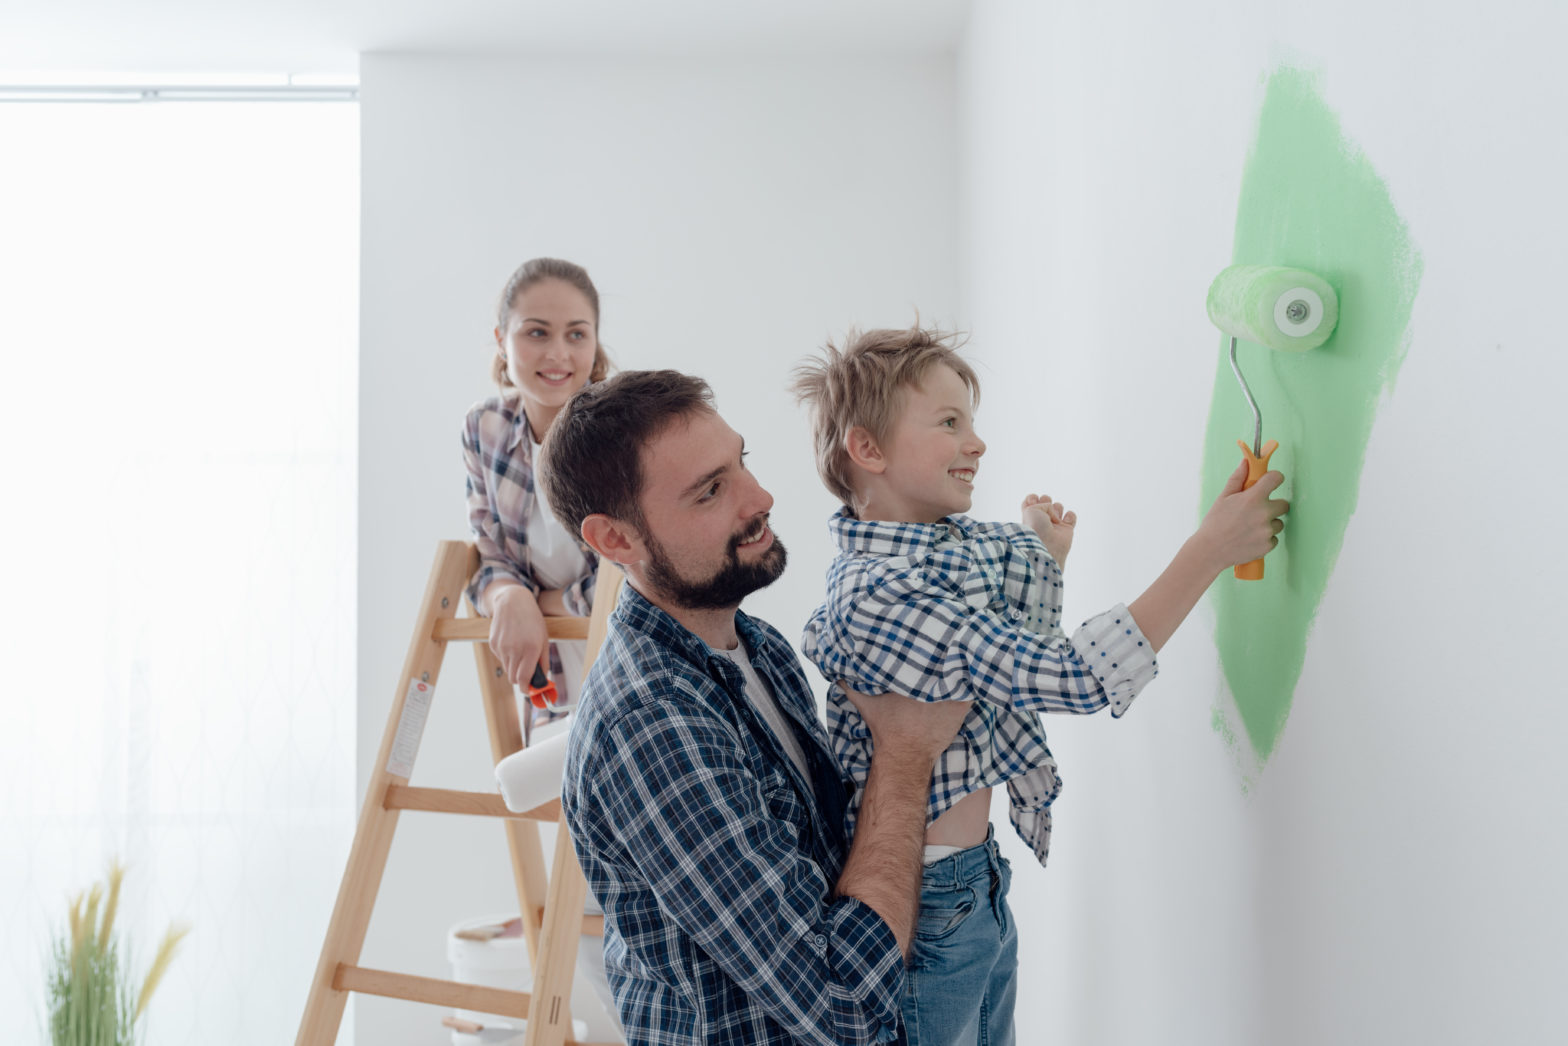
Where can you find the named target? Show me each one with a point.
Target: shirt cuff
(1119, 655)
(1045, 617)
(867, 969)
(488, 573)
(578, 597)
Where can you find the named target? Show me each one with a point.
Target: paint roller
(1289, 310)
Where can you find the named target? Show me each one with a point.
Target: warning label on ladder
(410, 727)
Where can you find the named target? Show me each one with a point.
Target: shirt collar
(512, 409)
(881, 538)
(513, 405)
(639, 614)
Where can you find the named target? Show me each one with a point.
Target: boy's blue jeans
(962, 981)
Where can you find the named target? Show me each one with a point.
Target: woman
(547, 347)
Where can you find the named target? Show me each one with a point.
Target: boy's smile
(931, 455)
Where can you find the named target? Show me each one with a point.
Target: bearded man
(704, 802)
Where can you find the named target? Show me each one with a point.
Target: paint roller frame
(1289, 310)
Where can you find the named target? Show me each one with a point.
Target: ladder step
(428, 989)
(458, 1024)
(477, 629)
(337, 971)
(451, 801)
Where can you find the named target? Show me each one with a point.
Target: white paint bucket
(501, 962)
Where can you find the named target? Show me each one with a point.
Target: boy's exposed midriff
(966, 823)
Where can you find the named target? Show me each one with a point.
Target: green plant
(93, 1000)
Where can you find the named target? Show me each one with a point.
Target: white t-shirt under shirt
(554, 555)
(763, 700)
(557, 561)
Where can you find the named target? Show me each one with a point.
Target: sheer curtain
(178, 328)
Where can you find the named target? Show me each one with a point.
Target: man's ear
(613, 539)
(863, 450)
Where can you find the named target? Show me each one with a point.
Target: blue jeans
(962, 981)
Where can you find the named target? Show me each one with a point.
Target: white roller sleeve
(532, 777)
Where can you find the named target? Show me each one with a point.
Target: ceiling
(309, 37)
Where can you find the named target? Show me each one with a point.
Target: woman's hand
(517, 633)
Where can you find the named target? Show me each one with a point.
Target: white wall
(733, 214)
(1394, 874)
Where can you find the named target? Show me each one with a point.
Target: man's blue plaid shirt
(713, 858)
(965, 611)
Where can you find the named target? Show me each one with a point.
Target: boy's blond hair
(863, 386)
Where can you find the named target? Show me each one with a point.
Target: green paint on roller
(1309, 200)
(1253, 303)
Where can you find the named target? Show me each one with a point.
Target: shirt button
(822, 944)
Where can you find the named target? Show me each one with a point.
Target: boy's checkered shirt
(966, 611)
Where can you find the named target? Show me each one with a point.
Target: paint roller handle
(1257, 465)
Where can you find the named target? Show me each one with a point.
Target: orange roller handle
(1257, 465)
(541, 689)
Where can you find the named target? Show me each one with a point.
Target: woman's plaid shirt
(499, 458)
(967, 611)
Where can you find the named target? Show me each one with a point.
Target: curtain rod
(178, 93)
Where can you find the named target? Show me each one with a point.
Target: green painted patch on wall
(1311, 200)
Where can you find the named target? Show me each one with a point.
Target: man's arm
(884, 866)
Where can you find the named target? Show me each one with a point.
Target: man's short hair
(591, 461)
(863, 385)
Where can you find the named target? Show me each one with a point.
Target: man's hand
(1051, 520)
(901, 726)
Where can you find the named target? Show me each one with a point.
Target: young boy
(926, 602)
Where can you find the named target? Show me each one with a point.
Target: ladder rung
(468, 1027)
(593, 925)
(477, 629)
(451, 801)
(428, 989)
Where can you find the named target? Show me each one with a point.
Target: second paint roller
(1290, 310)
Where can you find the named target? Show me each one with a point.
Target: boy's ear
(614, 540)
(863, 450)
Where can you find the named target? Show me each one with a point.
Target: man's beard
(724, 590)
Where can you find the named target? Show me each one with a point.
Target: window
(178, 465)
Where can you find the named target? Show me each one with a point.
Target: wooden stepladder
(552, 908)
